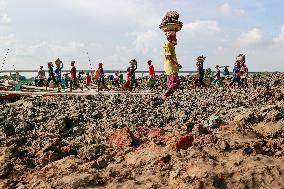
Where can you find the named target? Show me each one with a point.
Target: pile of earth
(200, 138)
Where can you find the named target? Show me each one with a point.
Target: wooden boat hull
(9, 97)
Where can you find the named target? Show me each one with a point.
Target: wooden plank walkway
(91, 71)
(77, 93)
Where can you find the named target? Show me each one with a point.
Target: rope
(4, 60)
(89, 60)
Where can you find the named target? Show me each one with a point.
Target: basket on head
(241, 58)
(171, 22)
(201, 58)
(58, 61)
(133, 62)
(171, 27)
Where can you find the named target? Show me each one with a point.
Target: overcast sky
(116, 31)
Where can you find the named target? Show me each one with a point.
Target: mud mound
(199, 138)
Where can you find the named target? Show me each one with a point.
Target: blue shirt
(58, 72)
(102, 73)
(236, 71)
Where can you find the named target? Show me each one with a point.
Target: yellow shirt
(169, 66)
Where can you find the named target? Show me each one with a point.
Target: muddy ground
(200, 138)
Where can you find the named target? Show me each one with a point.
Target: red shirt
(88, 79)
(128, 75)
(73, 73)
(151, 70)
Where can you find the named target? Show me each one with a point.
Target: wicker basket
(172, 27)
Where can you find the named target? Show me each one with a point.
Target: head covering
(171, 36)
(171, 33)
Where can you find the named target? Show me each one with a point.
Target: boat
(9, 97)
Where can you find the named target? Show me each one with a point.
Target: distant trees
(13, 76)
